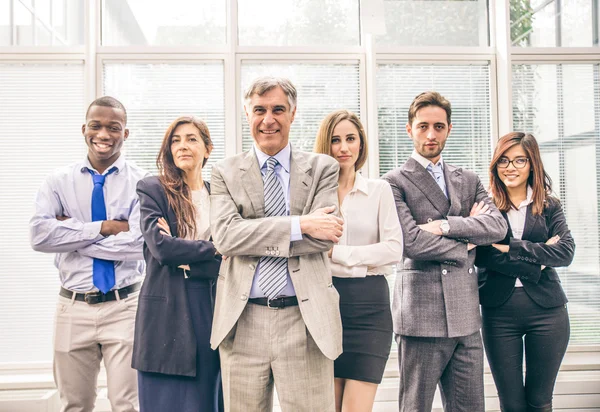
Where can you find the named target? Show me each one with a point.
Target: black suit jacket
(165, 341)
(498, 271)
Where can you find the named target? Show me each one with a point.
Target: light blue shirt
(439, 167)
(77, 240)
(282, 171)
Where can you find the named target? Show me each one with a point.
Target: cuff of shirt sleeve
(296, 233)
(91, 230)
(340, 254)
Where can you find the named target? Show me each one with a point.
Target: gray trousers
(455, 363)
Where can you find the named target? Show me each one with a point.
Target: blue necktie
(104, 270)
(438, 174)
(272, 278)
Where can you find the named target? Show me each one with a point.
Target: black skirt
(367, 328)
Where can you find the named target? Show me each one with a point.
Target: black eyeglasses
(518, 163)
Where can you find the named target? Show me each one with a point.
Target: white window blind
(41, 112)
(322, 88)
(467, 87)
(156, 94)
(560, 105)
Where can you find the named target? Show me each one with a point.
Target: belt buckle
(269, 304)
(91, 298)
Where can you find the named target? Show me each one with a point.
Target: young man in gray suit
(277, 319)
(444, 212)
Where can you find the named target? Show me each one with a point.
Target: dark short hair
(107, 101)
(429, 99)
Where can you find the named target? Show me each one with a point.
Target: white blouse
(372, 238)
(201, 200)
(516, 219)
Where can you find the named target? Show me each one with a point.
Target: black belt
(92, 298)
(276, 303)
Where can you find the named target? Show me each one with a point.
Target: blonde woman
(371, 242)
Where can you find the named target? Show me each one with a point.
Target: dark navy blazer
(165, 341)
(498, 271)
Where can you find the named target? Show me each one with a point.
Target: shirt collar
(426, 162)
(529, 199)
(119, 164)
(283, 157)
(360, 184)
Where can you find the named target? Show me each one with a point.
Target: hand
(322, 224)
(432, 227)
(62, 218)
(184, 267)
(164, 227)
(113, 227)
(471, 246)
(501, 248)
(480, 209)
(553, 240)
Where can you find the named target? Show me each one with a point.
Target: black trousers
(543, 333)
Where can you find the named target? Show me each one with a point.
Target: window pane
(552, 23)
(298, 22)
(322, 88)
(42, 110)
(55, 23)
(156, 94)
(170, 23)
(559, 105)
(435, 23)
(468, 90)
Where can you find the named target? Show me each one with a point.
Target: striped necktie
(272, 278)
(438, 174)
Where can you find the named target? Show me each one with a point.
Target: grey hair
(262, 85)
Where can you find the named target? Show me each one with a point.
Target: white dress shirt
(516, 219)
(282, 171)
(423, 161)
(77, 240)
(201, 201)
(372, 238)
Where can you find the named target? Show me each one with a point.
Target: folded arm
(389, 248)
(51, 235)
(491, 258)
(482, 229)
(554, 255)
(422, 245)
(167, 250)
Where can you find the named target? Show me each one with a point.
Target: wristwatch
(444, 227)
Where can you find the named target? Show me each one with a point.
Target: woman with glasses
(523, 304)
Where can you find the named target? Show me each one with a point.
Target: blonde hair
(325, 134)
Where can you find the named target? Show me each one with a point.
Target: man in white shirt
(444, 212)
(88, 214)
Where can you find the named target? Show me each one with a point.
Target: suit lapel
(300, 183)
(454, 182)
(252, 182)
(427, 185)
(530, 220)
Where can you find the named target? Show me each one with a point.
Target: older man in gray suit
(277, 317)
(444, 212)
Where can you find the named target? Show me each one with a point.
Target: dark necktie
(104, 270)
(272, 278)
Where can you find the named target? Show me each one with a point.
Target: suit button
(429, 220)
(470, 270)
(277, 253)
(251, 266)
(444, 272)
(330, 285)
(244, 297)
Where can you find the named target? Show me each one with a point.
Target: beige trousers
(83, 336)
(273, 347)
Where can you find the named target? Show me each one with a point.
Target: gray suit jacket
(241, 232)
(436, 292)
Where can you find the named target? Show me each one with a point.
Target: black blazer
(164, 339)
(498, 271)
